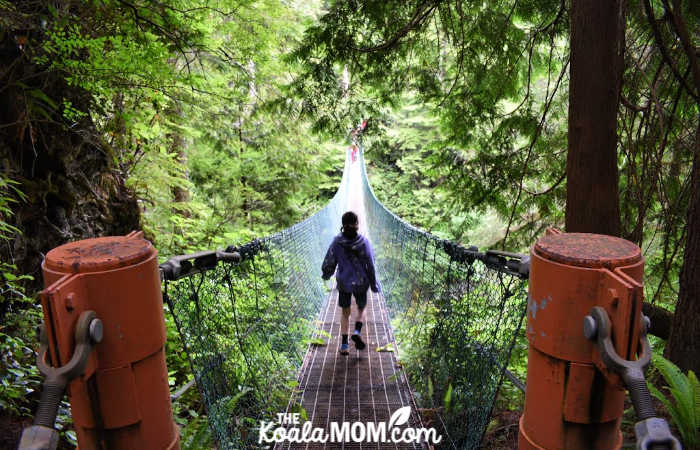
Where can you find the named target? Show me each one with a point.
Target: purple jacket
(355, 262)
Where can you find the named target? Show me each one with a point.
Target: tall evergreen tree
(597, 34)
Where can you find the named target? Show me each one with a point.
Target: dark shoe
(344, 349)
(359, 344)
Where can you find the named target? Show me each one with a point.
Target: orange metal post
(570, 403)
(122, 401)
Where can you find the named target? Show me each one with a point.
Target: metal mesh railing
(455, 311)
(245, 316)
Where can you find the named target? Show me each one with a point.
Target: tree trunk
(661, 320)
(592, 200)
(684, 344)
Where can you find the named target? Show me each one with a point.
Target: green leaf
(447, 400)
(684, 410)
(324, 333)
(39, 94)
(317, 341)
(16, 372)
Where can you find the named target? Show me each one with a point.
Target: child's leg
(344, 303)
(345, 323)
(361, 300)
(360, 316)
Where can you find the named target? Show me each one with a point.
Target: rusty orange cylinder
(122, 401)
(572, 402)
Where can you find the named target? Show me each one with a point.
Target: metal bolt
(70, 305)
(96, 331)
(590, 328)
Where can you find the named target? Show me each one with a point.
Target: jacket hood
(354, 260)
(354, 244)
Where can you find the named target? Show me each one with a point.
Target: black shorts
(360, 299)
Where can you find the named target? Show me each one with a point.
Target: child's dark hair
(350, 225)
(350, 218)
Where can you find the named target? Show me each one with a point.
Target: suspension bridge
(261, 329)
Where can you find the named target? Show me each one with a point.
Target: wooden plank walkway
(364, 386)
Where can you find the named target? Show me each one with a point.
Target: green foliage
(454, 322)
(468, 128)
(255, 327)
(492, 80)
(447, 400)
(9, 195)
(19, 377)
(316, 341)
(195, 433)
(188, 408)
(510, 397)
(187, 97)
(11, 289)
(685, 391)
(656, 145)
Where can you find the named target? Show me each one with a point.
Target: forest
(211, 123)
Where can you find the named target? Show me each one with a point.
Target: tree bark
(592, 200)
(592, 196)
(661, 320)
(684, 344)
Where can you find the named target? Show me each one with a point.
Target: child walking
(352, 254)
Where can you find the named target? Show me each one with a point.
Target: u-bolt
(88, 332)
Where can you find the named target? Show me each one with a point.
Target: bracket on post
(651, 432)
(88, 333)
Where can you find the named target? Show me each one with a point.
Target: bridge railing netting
(455, 313)
(246, 322)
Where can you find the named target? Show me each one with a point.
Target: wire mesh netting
(455, 313)
(246, 321)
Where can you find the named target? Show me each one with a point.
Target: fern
(685, 409)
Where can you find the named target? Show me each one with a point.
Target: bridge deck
(364, 386)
